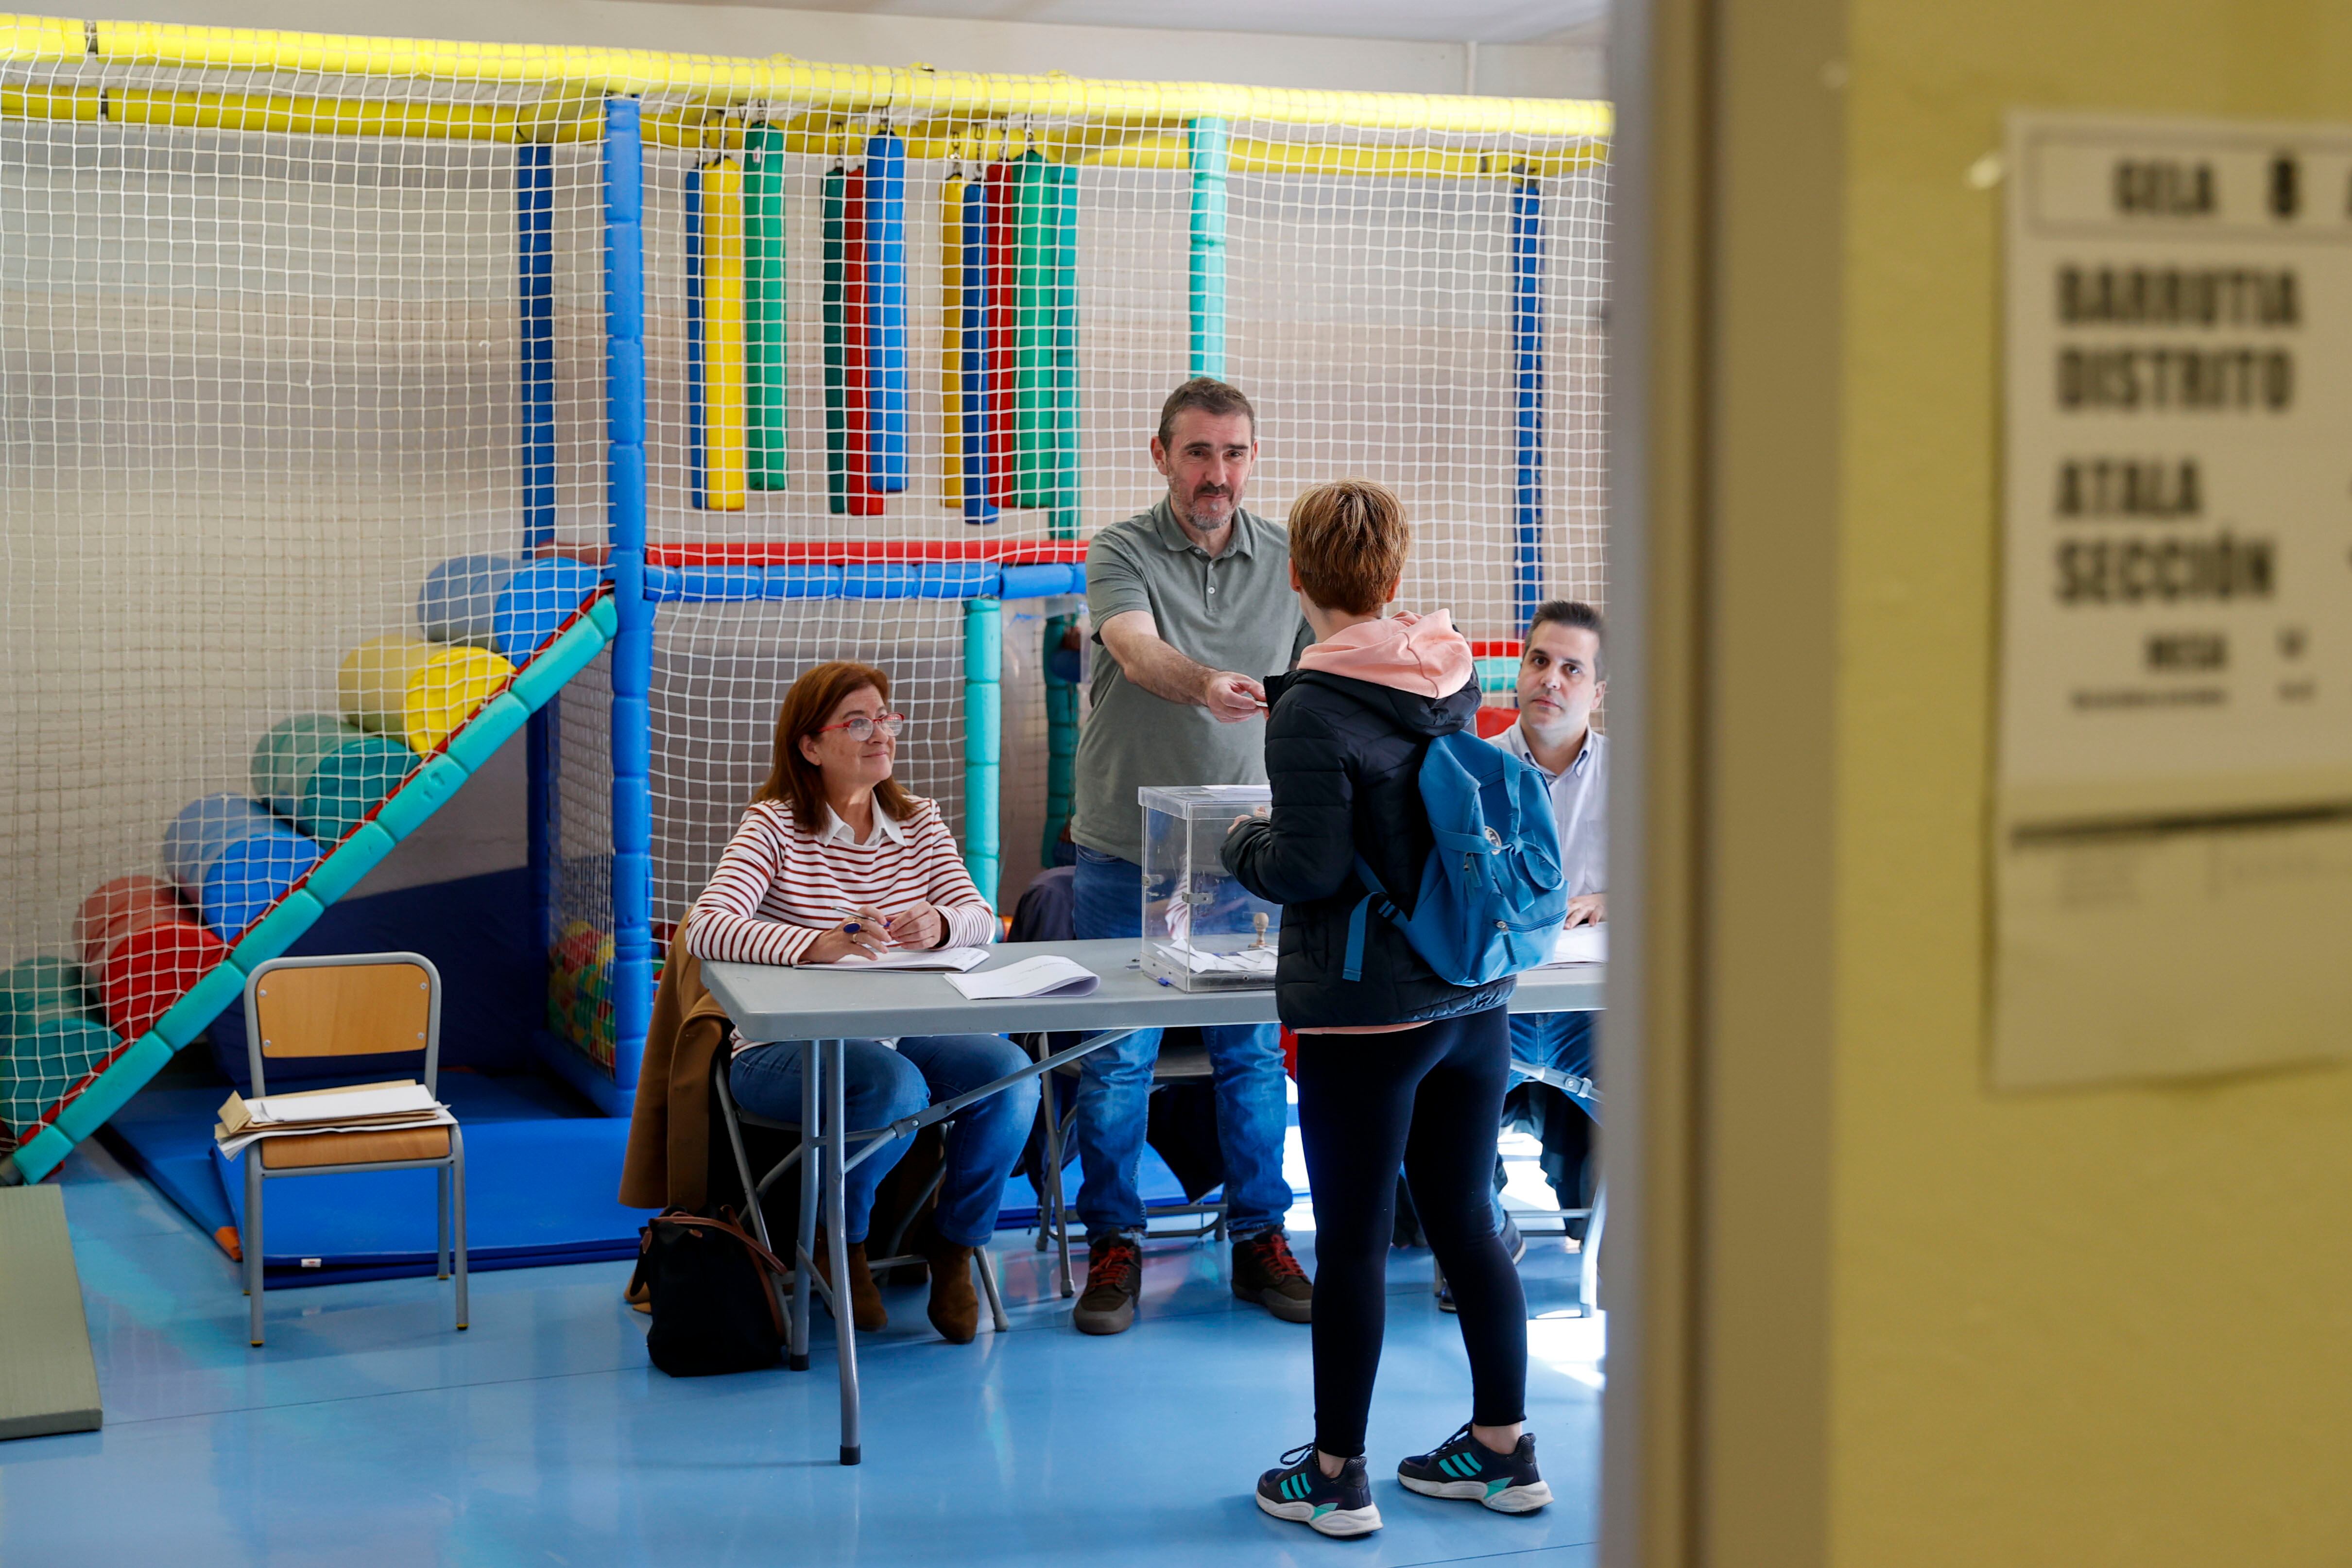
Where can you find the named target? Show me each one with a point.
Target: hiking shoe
(1513, 1243)
(1114, 1280)
(1299, 1491)
(1463, 1466)
(1265, 1273)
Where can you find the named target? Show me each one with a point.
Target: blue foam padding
(540, 598)
(477, 932)
(1042, 581)
(460, 599)
(192, 1014)
(428, 789)
(539, 1183)
(234, 858)
(492, 727)
(355, 858)
(274, 932)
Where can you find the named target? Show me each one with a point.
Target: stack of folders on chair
(383, 1122)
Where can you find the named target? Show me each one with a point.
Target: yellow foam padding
(371, 689)
(446, 689)
(725, 449)
(951, 342)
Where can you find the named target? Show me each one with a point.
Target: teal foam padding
(126, 1077)
(607, 615)
(543, 677)
(40, 1153)
(352, 859)
(274, 932)
(427, 789)
(194, 1013)
(487, 729)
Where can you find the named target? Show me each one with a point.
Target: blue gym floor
(369, 1433)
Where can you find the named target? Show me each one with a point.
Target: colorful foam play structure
(682, 168)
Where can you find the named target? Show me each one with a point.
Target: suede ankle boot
(865, 1308)
(955, 1306)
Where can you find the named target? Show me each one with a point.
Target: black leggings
(1431, 1097)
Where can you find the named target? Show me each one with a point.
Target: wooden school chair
(360, 1004)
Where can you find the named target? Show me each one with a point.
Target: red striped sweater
(779, 886)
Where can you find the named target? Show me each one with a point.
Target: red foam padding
(1493, 722)
(1497, 648)
(120, 907)
(148, 970)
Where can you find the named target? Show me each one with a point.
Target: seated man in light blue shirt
(1560, 683)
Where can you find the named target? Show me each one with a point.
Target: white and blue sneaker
(1301, 1492)
(1463, 1466)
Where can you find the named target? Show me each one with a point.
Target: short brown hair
(1573, 613)
(1208, 395)
(1348, 540)
(796, 781)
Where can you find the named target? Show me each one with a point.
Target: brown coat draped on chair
(668, 1165)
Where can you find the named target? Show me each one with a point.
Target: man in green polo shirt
(1192, 607)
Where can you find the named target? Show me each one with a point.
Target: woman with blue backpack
(1418, 868)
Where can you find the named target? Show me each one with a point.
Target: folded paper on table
(1579, 944)
(1046, 976)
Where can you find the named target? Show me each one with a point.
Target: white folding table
(820, 1007)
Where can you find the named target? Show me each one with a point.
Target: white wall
(1257, 60)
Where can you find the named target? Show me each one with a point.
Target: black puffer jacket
(1344, 757)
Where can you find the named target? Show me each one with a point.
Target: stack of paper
(361, 1107)
(1046, 976)
(954, 958)
(1579, 944)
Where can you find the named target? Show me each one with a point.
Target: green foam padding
(349, 861)
(274, 932)
(194, 1013)
(557, 663)
(40, 986)
(488, 729)
(127, 1075)
(764, 261)
(427, 789)
(49, 1382)
(607, 617)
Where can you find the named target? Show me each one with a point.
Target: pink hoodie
(1420, 654)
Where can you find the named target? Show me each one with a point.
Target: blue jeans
(1560, 1040)
(1115, 1086)
(879, 1085)
(1565, 1041)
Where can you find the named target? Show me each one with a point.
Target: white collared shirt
(1580, 806)
(836, 831)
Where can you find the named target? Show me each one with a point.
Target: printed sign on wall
(2172, 850)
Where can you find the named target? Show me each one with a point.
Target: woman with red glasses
(835, 862)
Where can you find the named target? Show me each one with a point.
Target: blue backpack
(1492, 898)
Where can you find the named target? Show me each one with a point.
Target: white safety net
(269, 345)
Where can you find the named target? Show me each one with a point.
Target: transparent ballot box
(1202, 930)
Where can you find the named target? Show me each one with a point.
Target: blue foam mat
(540, 1180)
(539, 1177)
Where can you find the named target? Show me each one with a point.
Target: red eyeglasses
(862, 728)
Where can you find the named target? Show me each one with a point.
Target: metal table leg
(796, 1350)
(836, 1155)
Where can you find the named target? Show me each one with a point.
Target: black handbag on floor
(718, 1305)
